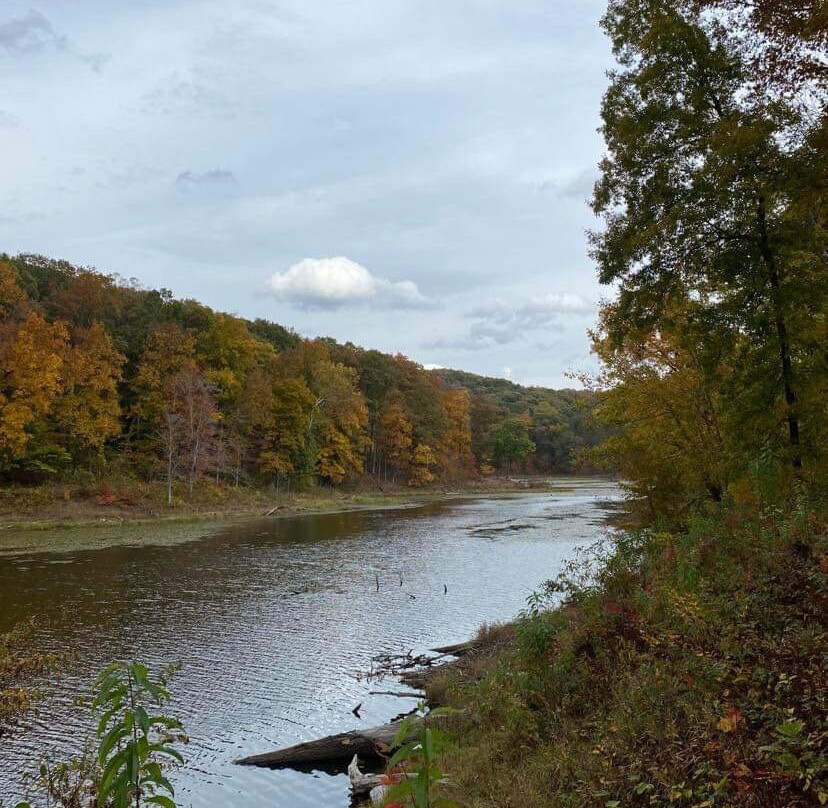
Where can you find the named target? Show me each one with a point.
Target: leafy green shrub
(420, 746)
(134, 747)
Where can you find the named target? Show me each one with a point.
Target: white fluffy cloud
(335, 282)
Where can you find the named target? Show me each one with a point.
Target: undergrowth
(682, 670)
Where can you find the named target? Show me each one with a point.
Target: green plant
(415, 767)
(133, 745)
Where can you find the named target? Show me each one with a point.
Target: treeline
(560, 424)
(100, 376)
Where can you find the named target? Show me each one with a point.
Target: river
(273, 619)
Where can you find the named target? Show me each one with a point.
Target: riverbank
(66, 505)
(688, 672)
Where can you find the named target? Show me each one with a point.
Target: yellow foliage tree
(396, 436)
(423, 460)
(88, 411)
(31, 363)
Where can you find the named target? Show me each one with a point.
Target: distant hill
(560, 421)
(104, 375)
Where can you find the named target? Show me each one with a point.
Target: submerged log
(372, 742)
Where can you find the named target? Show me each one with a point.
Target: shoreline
(86, 515)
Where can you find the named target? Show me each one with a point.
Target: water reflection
(271, 619)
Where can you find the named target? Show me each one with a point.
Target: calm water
(272, 619)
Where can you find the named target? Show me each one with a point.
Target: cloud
(324, 283)
(577, 187)
(500, 323)
(8, 121)
(33, 34)
(184, 95)
(216, 176)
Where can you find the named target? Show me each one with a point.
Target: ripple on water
(271, 621)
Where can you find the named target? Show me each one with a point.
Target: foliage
(134, 747)
(713, 200)
(18, 666)
(134, 743)
(97, 373)
(560, 422)
(683, 669)
(414, 768)
(511, 443)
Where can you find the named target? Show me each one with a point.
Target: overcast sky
(410, 175)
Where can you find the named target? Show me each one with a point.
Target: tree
(31, 363)
(88, 411)
(670, 440)
(169, 349)
(192, 395)
(186, 427)
(511, 443)
(455, 447)
(423, 460)
(396, 437)
(700, 194)
(284, 428)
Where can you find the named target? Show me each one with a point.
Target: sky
(407, 175)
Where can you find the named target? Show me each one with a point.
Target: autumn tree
(423, 460)
(455, 446)
(703, 194)
(396, 438)
(87, 413)
(32, 354)
(185, 427)
(671, 439)
(284, 428)
(168, 350)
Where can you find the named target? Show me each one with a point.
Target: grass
(128, 500)
(685, 670)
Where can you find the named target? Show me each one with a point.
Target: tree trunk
(782, 337)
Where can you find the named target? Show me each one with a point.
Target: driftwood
(375, 786)
(383, 665)
(403, 694)
(374, 743)
(367, 742)
(458, 649)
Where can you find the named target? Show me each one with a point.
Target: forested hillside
(102, 378)
(561, 423)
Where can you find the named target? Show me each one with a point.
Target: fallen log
(374, 743)
(371, 742)
(458, 649)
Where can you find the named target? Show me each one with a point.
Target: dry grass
(690, 676)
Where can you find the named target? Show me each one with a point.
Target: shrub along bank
(684, 669)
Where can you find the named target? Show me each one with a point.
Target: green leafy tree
(701, 194)
(511, 444)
